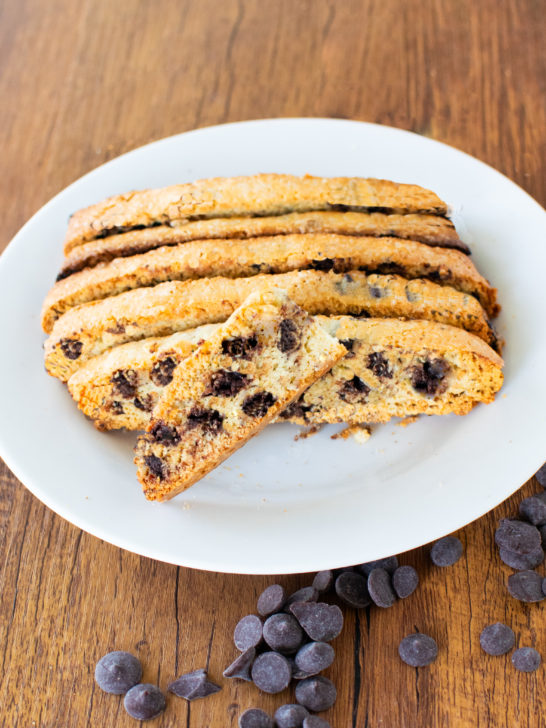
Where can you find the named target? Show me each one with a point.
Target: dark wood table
(82, 82)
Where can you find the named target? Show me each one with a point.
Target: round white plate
(280, 506)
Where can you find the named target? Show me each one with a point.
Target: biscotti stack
(148, 276)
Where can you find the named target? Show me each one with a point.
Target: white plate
(280, 506)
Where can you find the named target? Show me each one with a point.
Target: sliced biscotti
(279, 254)
(258, 195)
(429, 229)
(399, 368)
(237, 381)
(92, 328)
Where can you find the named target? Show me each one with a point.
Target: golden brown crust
(279, 254)
(258, 195)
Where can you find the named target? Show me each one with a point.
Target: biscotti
(229, 389)
(90, 329)
(120, 388)
(279, 254)
(428, 229)
(258, 195)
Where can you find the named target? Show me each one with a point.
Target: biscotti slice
(88, 330)
(258, 195)
(118, 389)
(237, 381)
(279, 254)
(429, 229)
(398, 369)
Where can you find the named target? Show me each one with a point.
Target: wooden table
(82, 82)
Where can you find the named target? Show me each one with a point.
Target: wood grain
(83, 82)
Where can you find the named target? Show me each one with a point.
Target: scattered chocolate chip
(289, 336)
(144, 701)
(526, 586)
(117, 672)
(71, 348)
(405, 581)
(306, 594)
(390, 564)
(313, 721)
(352, 589)
(257, 405)
(447, 551)
(353, 390)
(379, 365)
(209, 420)
(323, 581)
(225, 383)
(255, 718)
(540, 475)
(155, 465)
(380, 588)
(239, 347)
(125, 383)
(271, 672)
(144, 403)
(164, 434)
(290, 716)
(240, 667)
(542, 530)
(314, 657)
(418, 650)
(522, 562)
(526, 659)
(248, 632)
(321, 622)
(193, 685)
(429, 376)
(162, 371)
(497, 639)
(533, 509)
(283, 633)
(517, 536)
(271, 600)
(316, 693)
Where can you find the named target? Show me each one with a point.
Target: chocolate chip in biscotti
(517, 536)
(379, 365)
(540, 475)
(418, 650)
(377, 292)
(526, 659)
(240, 347)
(255, 718)
(352, 589)
(248, 632)
(296, 409)
(533, 509)
(526, 586)
(429, 377)
(405, 581)
(225, 383)
(380, 588)
(289, 337)
(321, 622)
(162, 371)
(208, 420)
(240, 667)
(117, 407)
(125, 383)
(71, 348)
(316, 693)
(156, 466)
(349, 344)
(165, 434)
(271, 672)
(522, 562)
(497, 639)
(283, 633)
(144, 403)
(447, 551)
(271, 600)
(353, 390)
(257, 405)
(323, 264)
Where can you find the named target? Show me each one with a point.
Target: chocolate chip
(314, 657)
(405, 581)
(321, 622)
(162, 371)
(117, 407)
(429, 376)
(313, 721)
(306, 594)
(165, 434)
(289, 336)
(125, 383)
(390, 564)
(71, 348)
(296, 409)
(156, 466)
(542, 530)
(323, 581)
(240, 667)
(290, 716)
(239, 347)
(271, 672)
(447, 551)
(316, 693)
(144, 701)
(377, 292)
(248, 632)
(117, 672)
(354, 390)
(271, 600)
(526, 659)
(209, 420)
(352, 589)
(533, 509)
(526, 586)
(380, 588)
(540, 475)
(225, 383)
(144, 403)
(517, 536)
(255, 718)
(522, 562)
(257, 405)
(379, 365)
(283, 633)
(418, 650)
(193, 685)
(349, 345)
(497, 639)
(324, 264)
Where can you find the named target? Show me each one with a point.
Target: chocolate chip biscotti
(236, 382)
(255, 196)
(92, 328)
(393, 368)
(279, 254)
